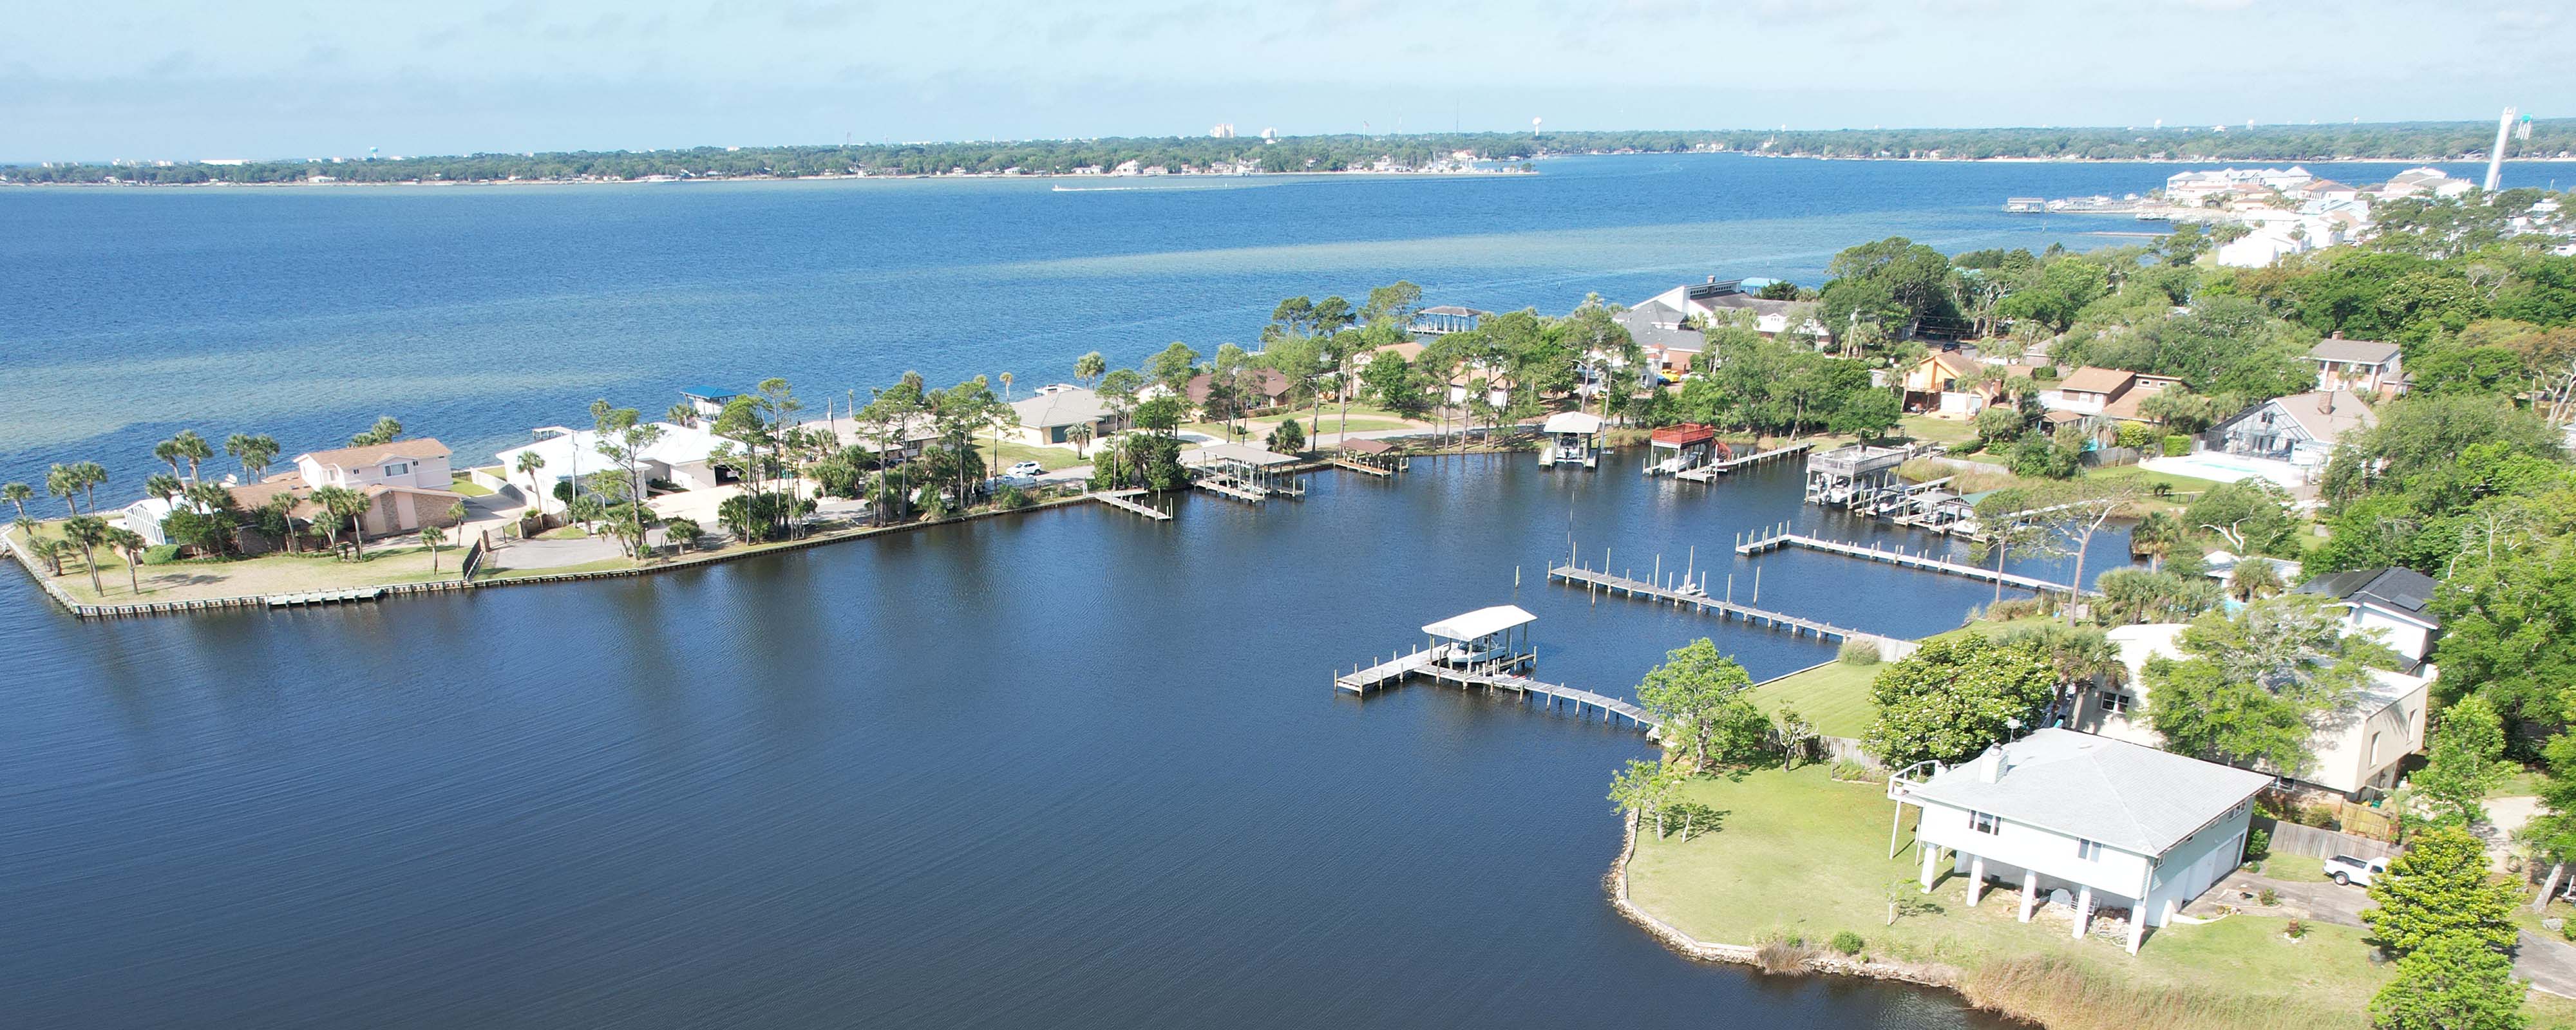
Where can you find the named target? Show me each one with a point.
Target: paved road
(2548, 963)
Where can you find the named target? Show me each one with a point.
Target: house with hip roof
(2392, 605)
(2103, 824)
(2366, 367)
(2353, 751)
(2300, 429)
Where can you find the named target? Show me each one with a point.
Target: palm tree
(91, 475)
(18, 494)
(254, 452)
(2155, 538)
(215, 501)
(386, 430)
(131, 544)
(433, 537)
(64, 483)
(1079, 435)
(2254, 578)
(345, 506)
(194, 448)
(50, 551)
(88, 532)
(1088, 368)
(530, 462)
(168, 450)
(683, 414)
(163, 485)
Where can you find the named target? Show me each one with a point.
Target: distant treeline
(2399, 141)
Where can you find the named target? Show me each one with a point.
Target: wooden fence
(2312, 842)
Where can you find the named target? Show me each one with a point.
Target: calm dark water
(475, 313)
(1067, 769)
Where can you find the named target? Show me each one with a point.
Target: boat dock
(1339, 462)
(323, 597)
(1692, 596)
(1709, 472)
(1121, 500)
(1777, 538)
(1429, 664)
(1488, 648)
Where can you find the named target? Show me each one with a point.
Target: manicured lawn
(574, 532)
(261, 576)
(1834, 697)
(1014, 452)
(467, 486)
(602, 565)
(2523, 783)
(2177, 485)
(1938, 430)
(1798, 854)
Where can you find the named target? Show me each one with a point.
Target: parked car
(1027, 468)
(2348, 871)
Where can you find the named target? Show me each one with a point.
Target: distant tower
(1533, 126)
(2495, 158)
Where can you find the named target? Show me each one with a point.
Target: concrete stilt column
(2137, 926)
(2029, 892)
(2083, 910)
(1976, 880)
(1930, 853)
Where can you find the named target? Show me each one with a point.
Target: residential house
(1263, 390)
(406, 482)
(2300, 429)
(1949, 383)
(1719, 300)
(2366, 367)
(2392, 605)
(2261, 247)
(1670, 347)
(144, 517)
(708, 401)
(2354, 751)
(2105, 824)
(681, 455)
(2429, 183)
(1047, 420)
(2090, 390)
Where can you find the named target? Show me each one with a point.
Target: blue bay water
(476, 313)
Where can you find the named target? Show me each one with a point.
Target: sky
(165, 79)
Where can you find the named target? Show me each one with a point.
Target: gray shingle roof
(2124, 795)
(2367, 352)
(1646, 322)
(2404, 590)
(1061, 408)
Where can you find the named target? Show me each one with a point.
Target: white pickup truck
(2348, 871)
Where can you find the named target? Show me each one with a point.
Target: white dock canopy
(1481, 623)
(1575, 422)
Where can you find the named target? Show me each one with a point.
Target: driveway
(2549, 964)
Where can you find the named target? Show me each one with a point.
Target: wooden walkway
(1775, 540)
(1427, 663)
(323, 597)
(1252, 495)
(1358, 466)
(1710, 472)
(1119, 499)
(1576, 575)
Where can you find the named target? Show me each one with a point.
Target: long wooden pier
(1337, 461)
(1253, 495)
(1772, 540)
(1709, 472)
(1698, 600)
(1120, 499)
(1429, 662)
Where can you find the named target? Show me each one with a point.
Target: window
(2114, 702)
(1984, 823)
(397, 468)
(2090, 851)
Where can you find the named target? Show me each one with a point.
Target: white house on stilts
(2105, 823)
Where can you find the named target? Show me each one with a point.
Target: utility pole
(2495, 159)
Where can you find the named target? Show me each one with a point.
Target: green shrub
(2258, 845)
(162, 554)
(2044, 372)
(2135, 435)
(2269, 897)
(2296, 929)
(1858, 652)
(1009, 498)
(2567, 929)
(2177, 446)
(1847, 942)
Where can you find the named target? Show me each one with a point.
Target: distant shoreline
(1365, 173)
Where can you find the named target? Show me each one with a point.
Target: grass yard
(602, 565)
(466, 485)
(2178, 486)
(1014, 452)
(1834, 697)
(1937, 430)
(1799, 855)
(571, 532)
(261, 576)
